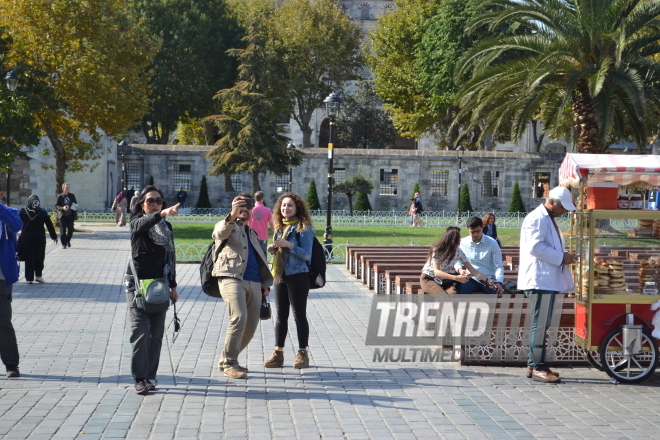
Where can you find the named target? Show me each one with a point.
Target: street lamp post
(12, 82)
(290, 148)
(122, 146)
(332, 106)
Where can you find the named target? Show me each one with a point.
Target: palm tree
(587, 68)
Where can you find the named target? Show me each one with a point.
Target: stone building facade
(490, 175)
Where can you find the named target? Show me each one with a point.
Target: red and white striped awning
(624, 170)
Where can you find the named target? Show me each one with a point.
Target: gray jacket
(232, 259)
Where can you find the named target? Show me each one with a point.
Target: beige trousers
(243, 300)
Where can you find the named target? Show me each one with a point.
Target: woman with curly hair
(439, 274)
(292, 249)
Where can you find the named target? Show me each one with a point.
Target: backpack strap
(309, 263)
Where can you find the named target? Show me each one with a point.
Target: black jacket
(494, 234)
(149, 257)
(62, 202)
(35, 226)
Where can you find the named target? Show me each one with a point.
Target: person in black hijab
(32, 241)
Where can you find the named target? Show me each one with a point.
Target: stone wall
(162, 162)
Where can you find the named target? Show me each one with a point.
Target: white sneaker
(28, 282)
(39, 280)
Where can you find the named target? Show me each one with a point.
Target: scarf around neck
(279, 262)
(161, 235)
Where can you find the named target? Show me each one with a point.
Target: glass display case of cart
(618, 255)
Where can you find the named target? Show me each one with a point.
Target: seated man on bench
(485, 255)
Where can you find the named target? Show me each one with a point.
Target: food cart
(617, 274)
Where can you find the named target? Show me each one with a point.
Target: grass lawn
(201, 233)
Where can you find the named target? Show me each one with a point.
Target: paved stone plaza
(75, 366)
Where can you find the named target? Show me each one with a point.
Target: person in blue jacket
(292, 251)
(10, 224)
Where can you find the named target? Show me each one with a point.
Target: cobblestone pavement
(73, 338)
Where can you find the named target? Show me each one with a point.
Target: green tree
(17, 124)
(362, 202)
(315, 42)
(203, 200)
(353, 185)
(396, 74)
(190, 65)
(443, 44)
(312, 197)
(516, 200)
(363, 122)
(464, 204)
(588, 70)
(251, 138)
(89, 59)
(191, 132)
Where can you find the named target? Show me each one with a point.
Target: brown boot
(275, 360)
(302, 359)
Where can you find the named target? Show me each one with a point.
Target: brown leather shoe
(545, 377)
(530, 370)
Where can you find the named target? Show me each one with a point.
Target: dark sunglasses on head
(150, 201)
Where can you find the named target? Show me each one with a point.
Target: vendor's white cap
(564, 196)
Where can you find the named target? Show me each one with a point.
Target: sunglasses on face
(151, 201)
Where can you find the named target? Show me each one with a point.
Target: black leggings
(292, 291)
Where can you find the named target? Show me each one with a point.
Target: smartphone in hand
(249, 202)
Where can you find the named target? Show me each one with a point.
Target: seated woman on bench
(438, 275)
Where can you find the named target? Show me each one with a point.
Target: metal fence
(438, 219)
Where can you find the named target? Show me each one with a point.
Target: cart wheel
(593, 357)
(628, 368)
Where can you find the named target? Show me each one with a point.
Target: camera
(249, 203)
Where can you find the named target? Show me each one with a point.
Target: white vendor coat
(541, 255)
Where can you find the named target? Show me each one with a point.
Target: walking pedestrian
(10, 224)
(119, 207)
(134, 200)
(261, 219)
(292, 249)
(544, 273)
(66, 206)
(243, 278)
(153, 255)
(32, 242)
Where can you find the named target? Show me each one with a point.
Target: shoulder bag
(151, 295)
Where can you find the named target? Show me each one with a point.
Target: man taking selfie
(243, 277)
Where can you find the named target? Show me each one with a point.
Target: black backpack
(209, 282)
(316, 264)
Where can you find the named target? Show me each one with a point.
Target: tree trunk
(488, 141)
(307, 135)
(537, 139)
(350, 203)
(450, 135)
(255, 182)
(60, 155)
(229, 187)
(209, 132)
(584, 120)
(144, 125)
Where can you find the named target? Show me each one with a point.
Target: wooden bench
(367, 264)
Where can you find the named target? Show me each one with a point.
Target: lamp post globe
(332, 107)
(122, 147)
(290, 148)
(12, 80)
